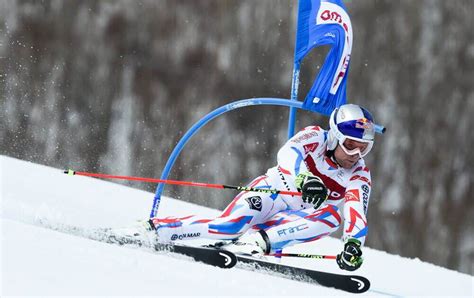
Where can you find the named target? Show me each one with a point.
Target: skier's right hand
(312, 188)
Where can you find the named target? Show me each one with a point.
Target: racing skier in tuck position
(327, 167)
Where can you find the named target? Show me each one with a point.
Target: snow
(38, 260)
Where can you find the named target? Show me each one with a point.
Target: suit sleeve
(356, 201)
(291, 157)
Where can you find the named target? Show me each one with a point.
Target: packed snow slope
(39, 257)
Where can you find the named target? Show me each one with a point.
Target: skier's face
(345, 160)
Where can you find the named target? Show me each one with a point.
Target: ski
(210, 256)
(348, 283)
(219, 257)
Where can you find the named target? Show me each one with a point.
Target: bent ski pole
(309, 256)
(187, 183)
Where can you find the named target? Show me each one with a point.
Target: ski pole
(309, 256)
(187, 183)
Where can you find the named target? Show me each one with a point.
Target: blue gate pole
(295, 82)
(202, 122)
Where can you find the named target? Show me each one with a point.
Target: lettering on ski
(348, 283)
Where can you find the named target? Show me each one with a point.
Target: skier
(327, 167)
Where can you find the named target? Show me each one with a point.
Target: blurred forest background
(111, 86)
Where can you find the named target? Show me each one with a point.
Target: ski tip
(69, 172)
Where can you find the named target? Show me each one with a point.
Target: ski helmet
(353, 122)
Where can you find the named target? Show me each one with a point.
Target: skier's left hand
(351, 257)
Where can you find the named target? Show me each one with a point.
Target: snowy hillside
(36, 260)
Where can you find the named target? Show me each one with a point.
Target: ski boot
(254, 244)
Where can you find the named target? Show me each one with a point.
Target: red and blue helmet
(353, 122)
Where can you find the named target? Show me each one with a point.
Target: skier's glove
(351, 257)
(312, 188)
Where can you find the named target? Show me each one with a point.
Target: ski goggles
(352, 146)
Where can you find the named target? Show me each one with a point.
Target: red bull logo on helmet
(368, 127)
(364, 123)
